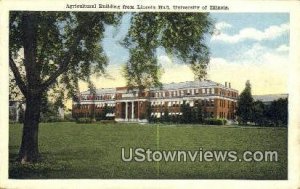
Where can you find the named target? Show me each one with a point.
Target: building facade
(123, 104)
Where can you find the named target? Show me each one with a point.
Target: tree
(186, 112)
(244, 104)
(93, 96)
(104, 111)
(258, 112)
(58, 49)
(197, 113)
(166, 117)
(181, 35)
(148, 112)
(49, 110)
(278, 112)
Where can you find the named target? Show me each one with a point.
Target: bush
(50, 119)
(84, 120)
(68, 117)
(143, 116)
(107, 121)
(213, 121)
(105, 118)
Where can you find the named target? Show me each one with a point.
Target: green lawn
(71, 150)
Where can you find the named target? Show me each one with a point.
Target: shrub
(213, 121)
(84, 120)
(12, 122)
(143, 116)
(107, 121)
(68, 117)
(50, 119)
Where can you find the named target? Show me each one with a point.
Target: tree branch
(63, 66)
(21, 84)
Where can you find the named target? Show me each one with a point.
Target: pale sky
(245, 46)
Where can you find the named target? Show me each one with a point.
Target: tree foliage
(64, 47)
(186, 112)
(182, 35)
(53, 50)
(244, 104)
(258, 113)
(278, 112)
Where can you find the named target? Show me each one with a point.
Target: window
(203, 91)
(181, 93)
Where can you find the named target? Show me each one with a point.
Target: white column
(126, 111)
(132, 110)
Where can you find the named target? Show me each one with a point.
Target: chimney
(226, 84)
(229, 85)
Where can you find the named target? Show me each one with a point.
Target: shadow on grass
(41, 169)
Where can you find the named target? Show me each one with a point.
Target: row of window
(226, 115)
(222, 114)
(191, 103)
(97, 97)
(87, 106)
(159, 114)
(104, 104)
(223, 92)
(229, 103)
(187, 92)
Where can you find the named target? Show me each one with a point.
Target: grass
(71, 150)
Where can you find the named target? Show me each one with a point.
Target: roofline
(213, 84)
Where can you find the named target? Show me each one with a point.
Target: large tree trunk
(29, 147)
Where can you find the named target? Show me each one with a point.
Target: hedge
(214, 121)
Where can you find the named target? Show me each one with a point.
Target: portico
(129, 111)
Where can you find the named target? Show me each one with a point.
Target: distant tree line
(259, 113)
